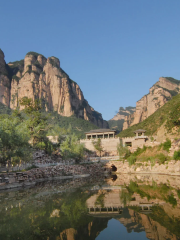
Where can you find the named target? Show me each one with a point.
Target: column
(103, 135)
(91, 136)
(108, 135)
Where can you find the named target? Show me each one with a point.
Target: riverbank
(32, 177)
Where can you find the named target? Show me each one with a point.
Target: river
(121, 207)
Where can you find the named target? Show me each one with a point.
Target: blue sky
(114, 49)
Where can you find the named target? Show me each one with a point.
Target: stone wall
(171, 168)
(109, 145)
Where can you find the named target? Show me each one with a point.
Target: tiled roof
(102, 130)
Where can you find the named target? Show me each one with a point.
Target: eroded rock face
(161, 92)
(123, 112)
(39, 78)
(4, 81)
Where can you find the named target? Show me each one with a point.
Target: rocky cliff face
(39, 78)
(117, 121)
(161, 92)
(4, 81)
(123, 112)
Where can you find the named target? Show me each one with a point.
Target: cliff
(161, 92)
(117, 121)
(123, 112)
(39, 78)
(4, 81)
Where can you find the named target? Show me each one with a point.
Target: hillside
(159, 94)
(78, 126)
(37, 77)
(168, 115)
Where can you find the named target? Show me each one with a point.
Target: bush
(131, 160)
(176, 155)
(172, 200)
(161, 158)
(123, 151)
(167, 145)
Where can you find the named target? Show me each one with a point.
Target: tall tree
(98, 146)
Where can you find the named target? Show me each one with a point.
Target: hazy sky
(114, 49)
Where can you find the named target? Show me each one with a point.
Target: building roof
(102, 130)
(140, 131)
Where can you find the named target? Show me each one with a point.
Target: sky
(114, 49)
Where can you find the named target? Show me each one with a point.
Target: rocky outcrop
(39, 78)
(123, 112)
(4, 81)
(161, 92)
(117, 121)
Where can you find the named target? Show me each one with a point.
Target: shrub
(161, 158)
(131, 160)
(176, 155)
(167, 145)
(123, 151)
(171, 199)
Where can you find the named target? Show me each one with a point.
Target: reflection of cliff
(88, 232)
(138, 222)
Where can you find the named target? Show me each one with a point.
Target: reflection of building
(114, 201)
(109, 141)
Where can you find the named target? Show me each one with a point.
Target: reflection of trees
(35, 222)
(100, 200)
(125, 196)
(64, 236)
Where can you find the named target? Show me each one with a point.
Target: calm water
(132, 207)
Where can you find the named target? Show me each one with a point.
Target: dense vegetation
(157, 154)
(169, 114)
(25, 130)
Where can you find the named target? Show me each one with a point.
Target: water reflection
(138, 207)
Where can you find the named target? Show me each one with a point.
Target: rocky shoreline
(32, 177)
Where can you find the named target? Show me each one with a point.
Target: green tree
(71, 148)
(36, 122)
(14, 139)
(123, 152)
(98, 146)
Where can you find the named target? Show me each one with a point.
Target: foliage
(35, 54)
(78, 125)
(71, 148)
(100, 200)
(176, 155)
(131, 160)
(37, 122)
(178, 193)
(123, 152)
(161, 158)
(125, 196)
(173, 80)
(98, 145)
(172, 200)
(14, 139)
(168, 113)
